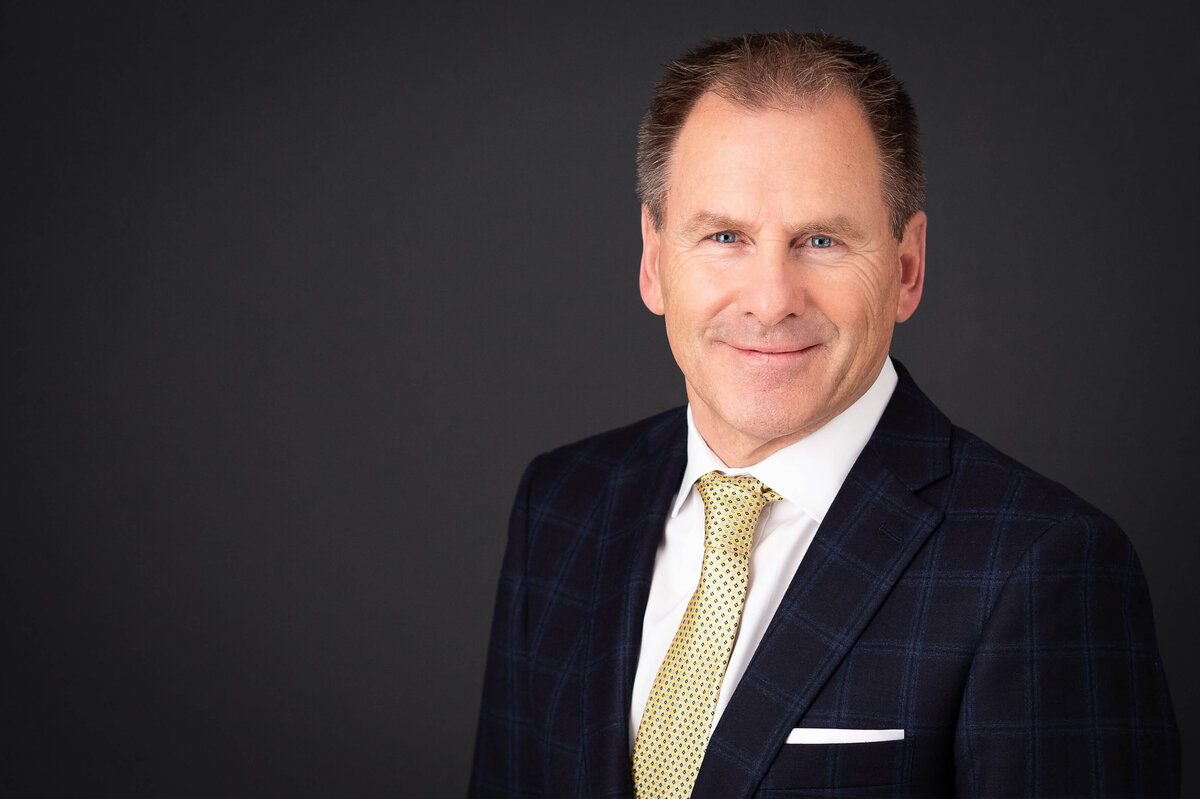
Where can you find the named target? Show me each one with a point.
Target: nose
(772, 285)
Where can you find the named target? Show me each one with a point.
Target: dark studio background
(293, 292)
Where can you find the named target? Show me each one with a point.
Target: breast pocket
(824, 770)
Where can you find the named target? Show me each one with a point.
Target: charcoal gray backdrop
(292, 292)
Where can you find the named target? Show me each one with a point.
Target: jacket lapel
(872, 531)
(628, 536)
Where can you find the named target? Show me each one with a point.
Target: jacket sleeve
(1066, 694)
(502, 765)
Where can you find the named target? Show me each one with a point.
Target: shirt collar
(811, 471)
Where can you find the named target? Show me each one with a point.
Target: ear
(912, 267)
(649, 279)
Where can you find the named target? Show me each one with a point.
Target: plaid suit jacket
(1000, 621)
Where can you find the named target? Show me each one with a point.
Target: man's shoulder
(958, 471)
(995, 503)
(652, 447)
(643, 460)
(991, 505)
(982, 472)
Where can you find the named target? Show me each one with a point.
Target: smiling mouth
(776, 355)
(774, 349)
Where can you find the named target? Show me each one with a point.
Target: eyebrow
(837, 225)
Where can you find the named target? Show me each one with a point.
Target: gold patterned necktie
(678, 718)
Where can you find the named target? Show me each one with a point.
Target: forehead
(796, 160)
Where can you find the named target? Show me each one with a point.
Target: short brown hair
(768, 69)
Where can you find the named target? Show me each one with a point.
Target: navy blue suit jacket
(1000, 621)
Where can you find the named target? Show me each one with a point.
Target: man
(809, 582)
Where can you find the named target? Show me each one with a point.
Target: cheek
(692, 304)
(859, 302)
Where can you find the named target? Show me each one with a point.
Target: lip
(774, 354)
(770, 350)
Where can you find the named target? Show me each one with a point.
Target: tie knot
(731, 509)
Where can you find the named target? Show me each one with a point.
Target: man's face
(776, 269)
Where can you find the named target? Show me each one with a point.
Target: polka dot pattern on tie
(678, 718)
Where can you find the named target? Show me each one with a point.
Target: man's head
(782, 70)
(774, 252)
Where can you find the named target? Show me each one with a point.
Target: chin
(773, 421)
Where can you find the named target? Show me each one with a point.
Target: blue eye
(820, 242)
(724, 237)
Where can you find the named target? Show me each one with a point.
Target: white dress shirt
(808, 474)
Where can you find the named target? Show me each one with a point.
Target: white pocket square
(828, 735)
